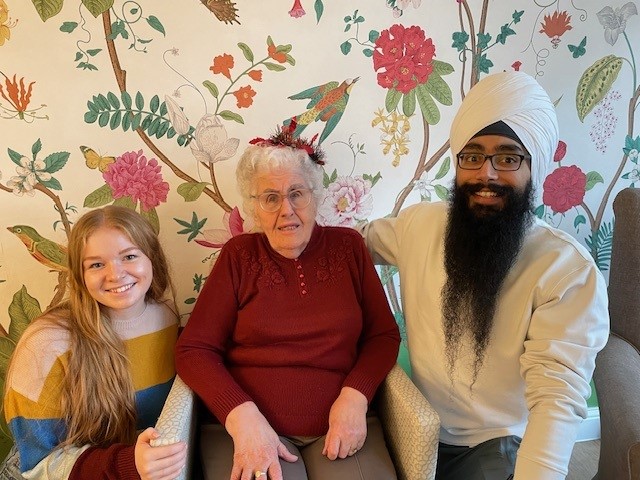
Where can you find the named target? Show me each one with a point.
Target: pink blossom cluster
(132, 175)
(564, 188)
(605, 121)
(403, 58)
(346, 201)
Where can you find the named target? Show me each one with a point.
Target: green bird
(327, 104)
(47, 252)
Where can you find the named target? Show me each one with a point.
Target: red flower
(403, 58)
(17, 96)
(223, 64)
(279, 57)
(564, 188)
(255, 75)
(297, 11)
(244, 96)
(561, 151)
(516, 65)
(554, 26)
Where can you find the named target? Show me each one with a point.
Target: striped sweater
(33, 389)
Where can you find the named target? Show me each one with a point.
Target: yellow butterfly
(94, 160)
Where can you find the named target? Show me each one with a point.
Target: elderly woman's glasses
(501, 162)
(272, 201)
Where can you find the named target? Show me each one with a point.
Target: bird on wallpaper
(327, 104)
(45, 251)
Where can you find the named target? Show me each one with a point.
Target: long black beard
(481, 245)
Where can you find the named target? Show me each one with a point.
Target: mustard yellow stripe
(151, 357)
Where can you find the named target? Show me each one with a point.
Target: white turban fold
(518, 100)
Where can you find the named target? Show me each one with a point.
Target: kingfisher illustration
(47, 252)
(327, 104)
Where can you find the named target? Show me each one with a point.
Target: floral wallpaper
(149, 104)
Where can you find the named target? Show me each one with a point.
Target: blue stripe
(36, 438)
(149, 403)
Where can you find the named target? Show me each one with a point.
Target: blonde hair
(98, 400)
(258, 158)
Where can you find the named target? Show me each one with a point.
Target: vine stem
(121, 79)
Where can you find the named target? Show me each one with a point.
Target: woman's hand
(347, 424)
(256, 446)
(158, 463)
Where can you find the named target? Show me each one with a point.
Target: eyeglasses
(501, 162)
(272, 201)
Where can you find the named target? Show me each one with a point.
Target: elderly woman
(291, 334)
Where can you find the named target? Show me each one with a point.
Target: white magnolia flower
(20, 186)
(178, 119)
(211, 143)
(615, 21)
(346, 201)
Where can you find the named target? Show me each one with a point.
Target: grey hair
(258, 159)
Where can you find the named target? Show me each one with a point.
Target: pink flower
(346, 201)
(561, 151)
(297, 11)
(564, 188)
(516, 65)
(133, 176)
(403, 58)
(217, 237)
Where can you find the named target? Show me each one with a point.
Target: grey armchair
(411, 425)
(617, 373)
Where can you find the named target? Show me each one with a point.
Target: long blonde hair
(98, 400)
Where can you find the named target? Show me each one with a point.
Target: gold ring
(259, 473)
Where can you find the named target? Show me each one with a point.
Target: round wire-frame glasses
(272, 201)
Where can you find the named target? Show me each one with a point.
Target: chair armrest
(177, 422)
(411, 426)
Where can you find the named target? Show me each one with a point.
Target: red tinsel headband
(284, 138)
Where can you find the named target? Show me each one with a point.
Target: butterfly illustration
(94, 160)
(579, 50)
(224, 10)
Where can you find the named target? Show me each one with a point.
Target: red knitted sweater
(289, 334)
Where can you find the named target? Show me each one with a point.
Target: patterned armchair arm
(411, 426)
(177, 422)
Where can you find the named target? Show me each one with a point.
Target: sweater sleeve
(380, 338)
(117, 462)
(202, 344)
(564, 337)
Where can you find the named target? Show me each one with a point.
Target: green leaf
(68, 27)
(345, 47)
(367, 52)
(444, 168)
(373, 36)
(99, 198)
(94, 51)
(290, 60)
(246, 51)
(439, 89)
(539, 212)
(115, 120)
(7, 347)
(191, 191)
(102, 102)
(56, 161)
(595, 83)
(409, 103)
(318, 6)
(163, 128)
(517, 16)
(126, 100)
(103, 119)
(593, 178)
(579, 220)
(23, 309)
(47, 8)
(192, 228)
(505, 32)
(113, 100)
(483, 40)
(460, 40)
(274, 67)
(152, 217)
(36, 147)
(428, 107)
(52, 184)
(90, 117)
(79, 55)
(228, 115)
(484, 64)
(126, 120)
(155, 103)
(14, 156)
(153, 126)
(126, 202)
(392, 99)
(334, 175)
(139, 101)
(97, 7)
(442, 192)
(156, 24)
(135, 122)
(213, 90)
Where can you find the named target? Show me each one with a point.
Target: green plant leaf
(595, 83)
(579, 220)
(97, 7)
(460, 40)
(115, 120)
(409, 103)
(228, 115)
(152, 216)
(56, 161)
(99, 198)
(156, 24)
(191, 191)
(483, 40)
(442, 192)
(442, 68)
(373, 35)
(68, 27)
(103, 119)
(7, 346)
(47, 8)
(14, 156)
(22, 310)
(139, 101)
(444, 168)
(246, 51)
(36, 147)
(155, 103)
(213, 90)
(90, 117)
(593, 178)
(345, 47)
(126, 202)
(94, 51)
(392, 99)
(127, 101)
(318, 6)
(52, 184)
(439, 89)
(274, 67)
(428, 107)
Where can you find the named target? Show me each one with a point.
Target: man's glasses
(501, 162)
(272, 201)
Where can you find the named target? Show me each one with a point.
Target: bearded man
(504, 314)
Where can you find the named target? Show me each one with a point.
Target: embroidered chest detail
(268, 273)
(331, 266)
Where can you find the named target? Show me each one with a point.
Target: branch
(59, 207)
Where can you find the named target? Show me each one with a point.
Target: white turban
(519, 101)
